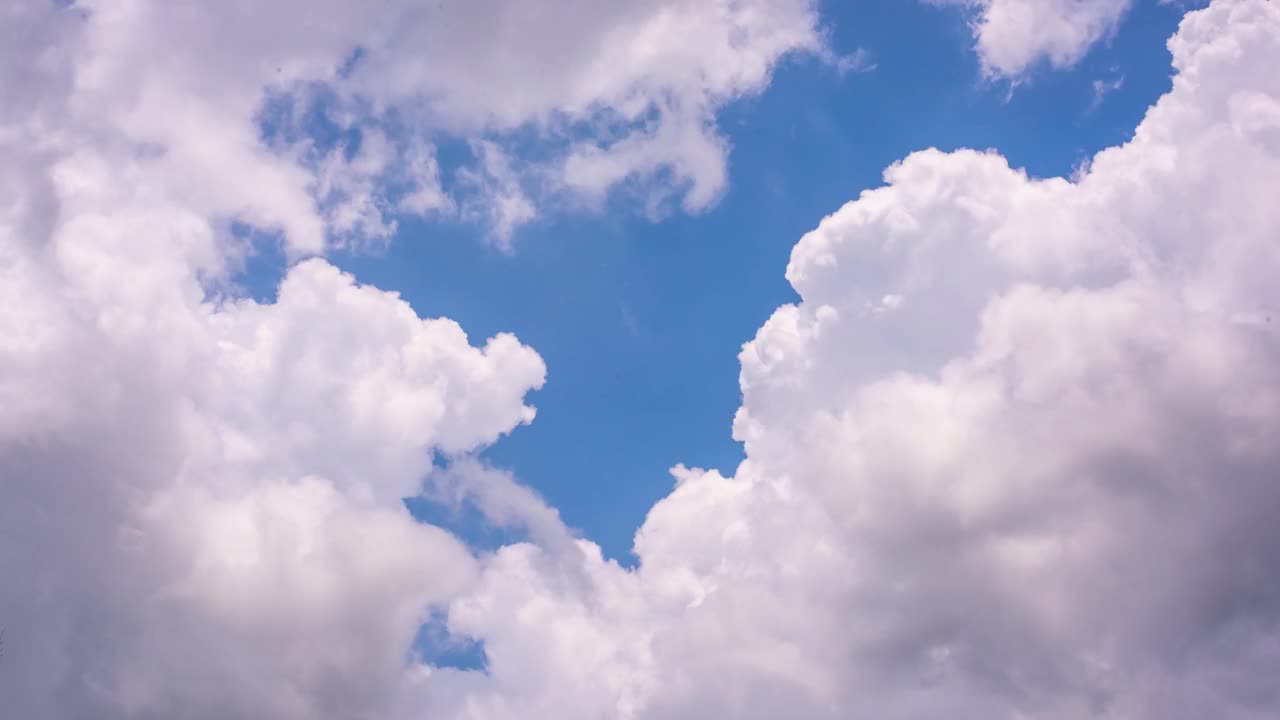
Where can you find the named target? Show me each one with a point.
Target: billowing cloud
(1012, 455)
(202, 509)
(1014, 35)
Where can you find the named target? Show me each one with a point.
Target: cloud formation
(202, 513)
(1013, 35)
(1012, 454)
(284, 115)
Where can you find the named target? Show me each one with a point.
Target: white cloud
(347, 189)
(1013, 454)
(202, 511)
(1039, 482)
(184, 474)
(1103, 88)
(499, 196)
(185, 85)
(422, 171)
(630, 89)
(1014, 35)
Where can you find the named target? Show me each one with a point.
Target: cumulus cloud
(1014, 35)
(1012, 455)
(202, 512)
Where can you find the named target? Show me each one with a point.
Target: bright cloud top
(1013, 454)
(1013, 35)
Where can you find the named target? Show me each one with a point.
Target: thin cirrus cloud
(1011, 454)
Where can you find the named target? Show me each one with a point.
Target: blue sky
(640, 321)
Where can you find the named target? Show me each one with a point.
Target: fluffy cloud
(202, 509)
(282, 115)
(202, 494)
(1013, 35)
(1013, 455)
(202, 513)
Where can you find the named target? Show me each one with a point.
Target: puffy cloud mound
(202, 511)
(1014, 454)
(1013, 35)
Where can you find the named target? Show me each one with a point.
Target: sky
(640, 322)
(897, 359)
